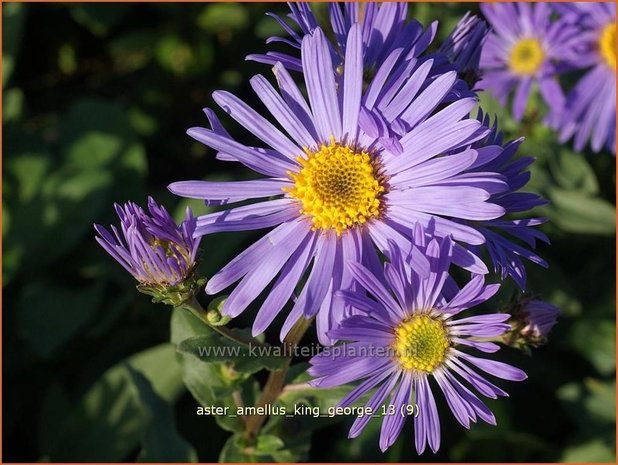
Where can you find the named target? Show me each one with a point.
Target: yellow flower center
(338, 187)
(607, 45)
(526, 57)
(421, 343)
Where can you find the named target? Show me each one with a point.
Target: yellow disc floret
(526, 57)
(421, 343)
(338, 187)
(607, 45)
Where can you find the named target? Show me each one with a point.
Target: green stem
(276, 380)
(196, 309)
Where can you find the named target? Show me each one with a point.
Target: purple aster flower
(590, 108)
(383, 28)
(463, 47)
(509, 240)
(525, 47)
(158, 253)
(409, 332)
(337, 184)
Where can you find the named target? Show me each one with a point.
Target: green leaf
(214, 348)
(593, 451)
(223, 17)
(99, 19)
(578, 213)
(160, 440)
(110, 420)
(572, 172)
(13, 16)
(50, 315)
(210, 384)
(594, 339)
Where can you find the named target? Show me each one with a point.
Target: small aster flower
(463, 47)
(590, 108)
(338, 186)
(407, 336)
(525, 47)
(160, 254)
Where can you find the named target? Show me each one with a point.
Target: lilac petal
(495, 368)
(434, 170)
(229, 191)
(256, 124)
(343, 371)
(317, 284)
(456, 201)
(282, 112)
(320, 80)
(384, 71)
(408, 217)
(294, 98)
(283, 288)
(431, 138)
(254, 282)
(364, 277)
(374, 402)
(407, 93)
(392, 424)
(256, 216)
(274, 58)
(465, 259)
(260, 162)
(361, 328)
(481, 384)
(352, 82)
(365, 386)
(252, 256)
(520, 100)
(429, 99)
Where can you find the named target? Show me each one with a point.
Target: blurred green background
(96, 102)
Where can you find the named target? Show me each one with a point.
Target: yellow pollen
(421, 343)
(338, 187)
(527, 56)
(607, 45)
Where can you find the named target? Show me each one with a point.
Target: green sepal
(173, 295)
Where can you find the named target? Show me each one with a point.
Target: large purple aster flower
(590, 109)
(337, 183)
(410, 332)
(525, 47)
(160, 254)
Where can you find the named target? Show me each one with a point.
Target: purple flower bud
(539, 318)
(160, 254)
(463, 46)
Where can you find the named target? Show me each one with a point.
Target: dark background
(96, 102)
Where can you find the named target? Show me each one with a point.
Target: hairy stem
(276, 380)
(196, 309)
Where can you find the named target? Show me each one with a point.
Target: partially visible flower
(160, 254)
(463, 47)
(383, 28)
(525, 47)
(531, 322)
(336, 186)
(508, 241)
(590, 108)
(410, 332)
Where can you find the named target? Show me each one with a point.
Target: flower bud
(532, 320)
(160, 254)
(463, 47)
(214, 315)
